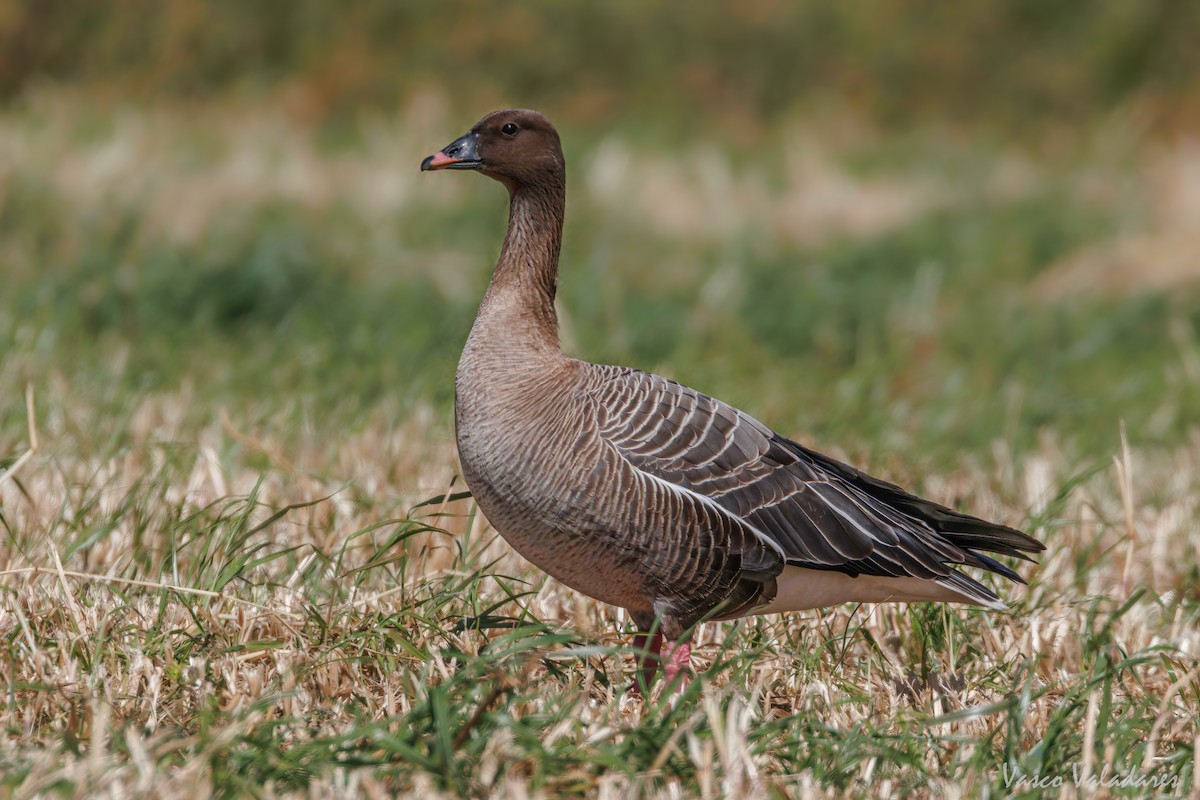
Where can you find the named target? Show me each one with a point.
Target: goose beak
(462, 153)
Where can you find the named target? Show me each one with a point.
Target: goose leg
(676, 660)
(647, 648)
(670, 652)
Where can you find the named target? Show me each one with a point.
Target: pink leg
(647, 647)
(676, 659)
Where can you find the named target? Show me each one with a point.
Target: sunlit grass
(289, 632)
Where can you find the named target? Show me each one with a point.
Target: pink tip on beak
(439, 160)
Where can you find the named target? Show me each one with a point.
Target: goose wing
(819, 512)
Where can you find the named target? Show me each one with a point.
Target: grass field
(231, 336)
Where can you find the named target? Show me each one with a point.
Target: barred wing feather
(820, 513)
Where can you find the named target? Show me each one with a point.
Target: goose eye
(509, 129)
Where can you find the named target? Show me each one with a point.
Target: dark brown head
(516, 146)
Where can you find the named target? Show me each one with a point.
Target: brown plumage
(648, 495)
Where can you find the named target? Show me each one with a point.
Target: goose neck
(521, 294)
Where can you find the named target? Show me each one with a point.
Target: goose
(645, 494)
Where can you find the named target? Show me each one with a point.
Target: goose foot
(677, 661)
(674, 657)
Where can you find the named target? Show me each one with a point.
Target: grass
(217, 574)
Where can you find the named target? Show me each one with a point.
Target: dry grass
(159, 610)
(183, 166)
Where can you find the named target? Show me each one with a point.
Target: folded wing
(820, 513)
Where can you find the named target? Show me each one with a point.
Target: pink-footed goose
(651, 496)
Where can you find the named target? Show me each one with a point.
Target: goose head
(515, 146)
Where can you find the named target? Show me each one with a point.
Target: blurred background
(922, 231)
